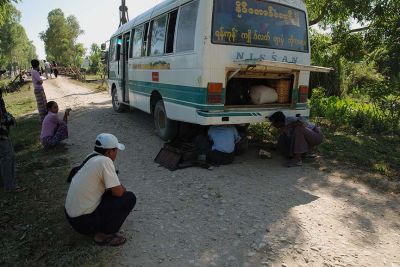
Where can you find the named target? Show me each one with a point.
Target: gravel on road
(252, 213)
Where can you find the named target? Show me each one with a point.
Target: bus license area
(260, 24)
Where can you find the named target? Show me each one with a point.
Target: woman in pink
(54, 130)
(38, 89)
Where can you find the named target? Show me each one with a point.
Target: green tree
(384, 39)
(375, 44)
(5, 8)
(15, 47)
(60, 39)
(365, 59)
(95, 58)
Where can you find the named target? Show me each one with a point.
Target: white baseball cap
(108, 141)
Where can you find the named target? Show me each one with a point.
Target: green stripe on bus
(195, 97)
(184, 103)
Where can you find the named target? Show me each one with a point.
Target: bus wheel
(117, 106)
(165, 128)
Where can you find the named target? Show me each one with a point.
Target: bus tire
(117, 106)
(166, 129)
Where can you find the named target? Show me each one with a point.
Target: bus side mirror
(103, 46)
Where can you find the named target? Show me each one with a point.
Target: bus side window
(119, 45)
(145, 40)
(187, 27)
(157, 36)
(169, 45)
(131, 44)
(112, 50)
(137, 42)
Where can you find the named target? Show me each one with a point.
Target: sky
(98, 18)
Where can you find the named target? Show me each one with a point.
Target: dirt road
(252, 213)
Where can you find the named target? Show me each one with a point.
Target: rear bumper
(243, 117)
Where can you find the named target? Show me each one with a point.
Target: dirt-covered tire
(117, 106)
(166, 129)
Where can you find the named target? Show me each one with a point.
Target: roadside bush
(361, 76)
(367, 116)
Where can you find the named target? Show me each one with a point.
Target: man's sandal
(113, 241)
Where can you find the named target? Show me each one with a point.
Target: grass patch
(32, 223)
(4, 82)
(21, 102)
(380, 154)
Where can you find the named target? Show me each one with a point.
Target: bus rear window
(259, 23)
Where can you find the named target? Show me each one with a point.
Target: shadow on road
(245, 213)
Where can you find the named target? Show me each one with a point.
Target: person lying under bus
(297, 137)
(97, 203)
(224, 139)
(54, 130)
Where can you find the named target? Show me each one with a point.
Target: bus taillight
(214, 93)
(303, 93)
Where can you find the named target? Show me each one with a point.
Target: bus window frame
(165, 16)
(145, 43)
(167, 31)
(177, 25)
(112, 48)
(135, 29)
(258, 46)
(129, 44)
(147, 24)
(118, 47)
(132, 31)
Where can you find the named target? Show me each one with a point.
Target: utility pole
(123, 14)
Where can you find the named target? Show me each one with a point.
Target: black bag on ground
(175, 153)
(74, 170)
(187, 150)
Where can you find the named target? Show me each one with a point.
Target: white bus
(196, 61)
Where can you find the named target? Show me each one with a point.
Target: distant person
(54, 130)
(297, 137)
(40, 95)
(97, 204)
(47, 69)
(224, 139)
(7, 155)
(55, 69)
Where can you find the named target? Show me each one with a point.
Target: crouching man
(297, 137)
(224, 139)
(97, 204)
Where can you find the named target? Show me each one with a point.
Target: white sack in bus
(261, 94)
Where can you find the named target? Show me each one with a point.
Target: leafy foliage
(60, 39)
(15, 47)
(95, 58)
(376, 44)
(5, 7)
(357, 115)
